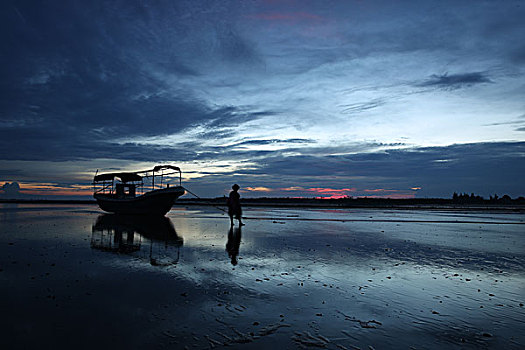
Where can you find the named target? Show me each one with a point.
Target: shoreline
(398, 204)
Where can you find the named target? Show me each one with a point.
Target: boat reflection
(153, 239)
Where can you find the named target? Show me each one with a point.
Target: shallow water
(71, 276)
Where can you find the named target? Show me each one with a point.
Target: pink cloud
(330, 190)
(337, 193)
(293, 188)
(329, 193)
(258, 189)
(334, 197)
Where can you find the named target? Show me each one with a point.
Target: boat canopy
(134, 176)
(124, 177)
(161, 167)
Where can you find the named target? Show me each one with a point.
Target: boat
(145, 192)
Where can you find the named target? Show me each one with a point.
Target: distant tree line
(465, 198)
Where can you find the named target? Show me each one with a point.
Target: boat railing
(111, 188)
(106, 188)
(161, 176)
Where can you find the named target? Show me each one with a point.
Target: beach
(72, 276)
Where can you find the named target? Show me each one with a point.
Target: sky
(287, 98)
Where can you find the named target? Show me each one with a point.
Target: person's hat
(235, 187)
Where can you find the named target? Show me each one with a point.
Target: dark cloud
(272, 141)
(65, 70)
(10, 190)
(455, 81)
(216, 134)
(365, 106)
(231, 116)
(483, 168)
(79, 76)
(518, 123)
(72, 136)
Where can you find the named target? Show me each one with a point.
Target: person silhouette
(234, 241)
(234, 205)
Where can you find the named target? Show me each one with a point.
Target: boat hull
(157, 202)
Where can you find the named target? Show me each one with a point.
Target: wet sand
(71, 276)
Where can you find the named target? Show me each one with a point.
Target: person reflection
(234, 241)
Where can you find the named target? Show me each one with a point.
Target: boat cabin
(125, 190)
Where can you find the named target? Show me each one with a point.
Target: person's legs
(231, 219)
(240, 220)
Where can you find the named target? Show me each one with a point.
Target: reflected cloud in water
(149, 238)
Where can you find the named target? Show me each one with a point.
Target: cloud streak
(455, 81)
